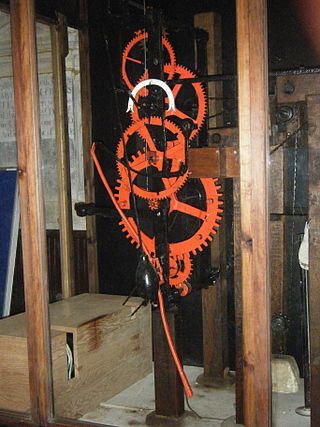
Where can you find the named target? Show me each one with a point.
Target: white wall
(48, 146)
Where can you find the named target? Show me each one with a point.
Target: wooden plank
(169, 396)
(276, 187)
(212, 162)
(313, 103)
(12, 418)
(79, 310)
(303, 86)
(14, 380)
(59, 41)
(253, 143)
(211, 22)
(225, 137)
(86, 117)
(214, 319)
(32, 207)
(277, 268)
(111, 351)
(202, 164)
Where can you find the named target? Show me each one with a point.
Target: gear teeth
(139, 36)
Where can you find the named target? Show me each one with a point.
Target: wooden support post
(238, 301)
(211, 22)
(253, 137)
(89, 185)
(33, 232)
(214, 301)
(169, 395)
(59, 41)
(314, 253)
(214, 318)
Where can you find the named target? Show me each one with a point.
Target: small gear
(153, 204)
(197, 221)
(190, 100)
(180, 269)
(134, 54)
(146, 160)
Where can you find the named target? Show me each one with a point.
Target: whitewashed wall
(48, 145)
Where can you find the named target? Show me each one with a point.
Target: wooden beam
(296, 88)
(213, 162)
(211, 22)
(214, 320)
(253, 138)
(169, 395)
(86, 116)
(26, 99)
(59, 41)
(314, 253)
(238, 302)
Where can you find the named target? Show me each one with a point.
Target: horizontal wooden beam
(214, 162)
(223, 137)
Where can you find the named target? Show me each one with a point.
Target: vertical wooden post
(86, 117)
(238, 301)
(253, 133)
(59, 40)
(32, 207)
(314, 252)
(214, 300)
(211, 22)
(169, 395)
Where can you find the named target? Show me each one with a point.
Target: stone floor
(213, 406)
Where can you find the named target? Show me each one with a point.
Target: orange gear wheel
(132, 54)
(148, 159)
(204, 218)
(194, 108)
(180, 269)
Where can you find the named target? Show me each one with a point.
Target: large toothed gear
(202, 217)
(146, 160)
(180, 266)
(194, 217)
(134, 54)
(190, 100)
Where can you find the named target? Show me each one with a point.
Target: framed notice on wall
(9, 228)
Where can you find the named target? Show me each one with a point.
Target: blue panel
(8, 181)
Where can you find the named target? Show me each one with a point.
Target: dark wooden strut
(33, 228)
(313, 103)
(88, 167)
(169, 394)
(253, 144)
